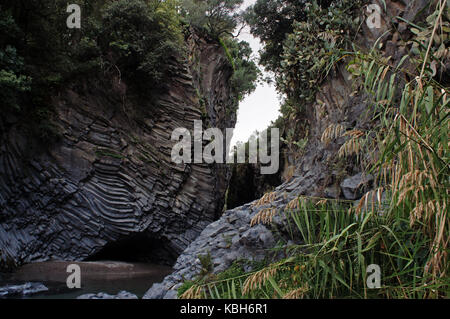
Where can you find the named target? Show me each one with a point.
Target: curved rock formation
(110, 176)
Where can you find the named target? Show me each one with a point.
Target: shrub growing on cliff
(303, 42)
(140, 37)
(245, 71)
(216, 17)
(311, 50)
(132, 40)
(12, 81)
(272, 21)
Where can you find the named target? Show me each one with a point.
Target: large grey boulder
(354, 187)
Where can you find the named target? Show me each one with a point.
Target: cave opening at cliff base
(137, 248)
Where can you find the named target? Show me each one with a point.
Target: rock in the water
(27, 289)
(355, 186)
(102, 295)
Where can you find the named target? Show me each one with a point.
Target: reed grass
(402, 225)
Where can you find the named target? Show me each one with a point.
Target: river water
(100, 276)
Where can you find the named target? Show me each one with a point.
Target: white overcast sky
(259, 109)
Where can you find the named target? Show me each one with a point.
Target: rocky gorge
(233, 236)
(109, 190)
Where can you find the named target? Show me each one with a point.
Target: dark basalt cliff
(110, 177)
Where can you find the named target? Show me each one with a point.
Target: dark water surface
(100, 276)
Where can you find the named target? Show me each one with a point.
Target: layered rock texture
(110, 176)
(110, 179)
(318, 172)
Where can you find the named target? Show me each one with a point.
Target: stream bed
(109, 277)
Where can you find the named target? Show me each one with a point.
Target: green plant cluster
(303, 43)
(245, 71)
(127, 40)
(133, 44)
(332, 261)
(314, 46)
(139, 38)
(12, 81)
(219, 19)
(215, 17)
(226, 284)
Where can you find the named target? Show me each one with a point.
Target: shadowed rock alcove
(136, 248)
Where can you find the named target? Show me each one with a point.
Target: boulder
(354, 187)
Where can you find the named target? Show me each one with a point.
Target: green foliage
(314, 46)
(206, 263)
(227, 53)
(245, 71)
(130, 40)
(272, 21)
(140, 37)
(133, 44)
(303, 41)
(332, 260)
(216, 17)
(228, 284)
(187, 284)
(11, 86)
(413, 129)
(12, 81)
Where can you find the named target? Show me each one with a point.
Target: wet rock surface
(102, 295)
(107, 277)
(27, 289)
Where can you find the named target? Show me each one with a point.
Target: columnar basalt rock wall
(110, 176)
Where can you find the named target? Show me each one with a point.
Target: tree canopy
(217, 17)
(133, 40)
(271, 21)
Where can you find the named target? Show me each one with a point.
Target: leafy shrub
(311, 50)
(216, 17)
(245, 71)
(12, 81)
(140, 37)
(133, 40)
(303, 41)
